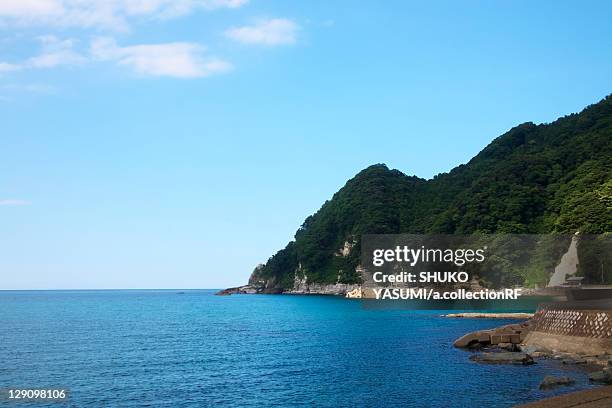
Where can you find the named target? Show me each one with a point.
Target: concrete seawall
(573, 327)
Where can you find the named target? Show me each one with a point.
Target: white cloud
(14, 202)
(175, 59)
(278, 31)
(28, 8)
(55, 52)
(178, 59)
(109, 14)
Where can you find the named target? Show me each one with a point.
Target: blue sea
(193, 349)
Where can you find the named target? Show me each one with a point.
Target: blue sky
(176, 144)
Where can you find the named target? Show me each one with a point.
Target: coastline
(339, 289)
(347, 290)
(574, 333)
(485, 315)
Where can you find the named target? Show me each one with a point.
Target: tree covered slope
(544, 178)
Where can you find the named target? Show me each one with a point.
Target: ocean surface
(175, 348)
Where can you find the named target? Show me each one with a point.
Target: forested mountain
(543, 178)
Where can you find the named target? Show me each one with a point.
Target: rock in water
(508, 346)
(510, 333)
(503, 358)
(603, 376)
(483, 337)
(551, 381)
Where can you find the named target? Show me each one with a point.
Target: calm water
(162, 348)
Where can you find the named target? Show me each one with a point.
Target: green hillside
(544, 178)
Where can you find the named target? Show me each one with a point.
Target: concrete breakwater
(583, 328)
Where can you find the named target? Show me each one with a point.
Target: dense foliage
(544, 178)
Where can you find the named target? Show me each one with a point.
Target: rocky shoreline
(347, 290)
(511, 344)
(490, 315)
(337, 289)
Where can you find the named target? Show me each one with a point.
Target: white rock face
(346, 250)
(300, 284)
(354, 294)
(301, 287)
(568, 266)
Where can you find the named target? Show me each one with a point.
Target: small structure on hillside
(574, 281)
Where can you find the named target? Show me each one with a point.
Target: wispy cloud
(105, 14)
(11, 202)
(178, 59)
(277, 31)
(54, 52)
(174, 59)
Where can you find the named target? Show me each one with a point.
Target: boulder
(503, 358)
(603, 376)
(551, 381)
(510, 333)
(470, 339)
(572, 361)
(508, 346)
